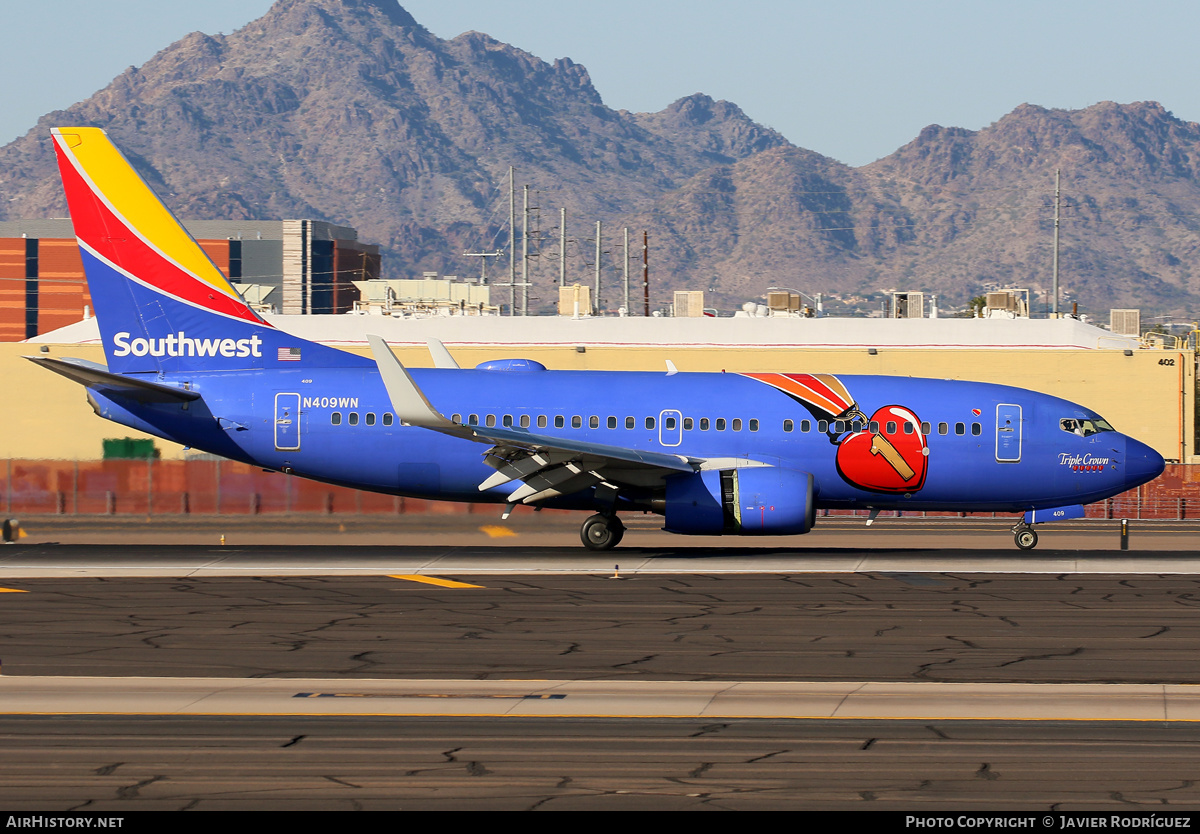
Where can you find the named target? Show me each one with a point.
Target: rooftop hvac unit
(908, 305)
(1012, 304)
(783, 301)
(1125, 322)
(689, 303)
(1000, 301)
(575, 300)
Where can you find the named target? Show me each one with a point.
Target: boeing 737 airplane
(713, 453)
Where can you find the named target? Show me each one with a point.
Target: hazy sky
(850, 79)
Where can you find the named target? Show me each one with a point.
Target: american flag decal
(288, 355)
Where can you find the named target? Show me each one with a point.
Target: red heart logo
(886, 462)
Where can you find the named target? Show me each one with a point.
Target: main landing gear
(601, 532)
(1025, 536)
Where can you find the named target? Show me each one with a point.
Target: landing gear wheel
(601, 532)
(618, 533)
(1026, 538)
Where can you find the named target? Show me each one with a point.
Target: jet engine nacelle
(753, 500)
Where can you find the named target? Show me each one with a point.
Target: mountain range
(351, 111)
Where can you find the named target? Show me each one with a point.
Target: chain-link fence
(180, 487)
(222, 487)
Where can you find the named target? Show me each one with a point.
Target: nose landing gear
(601, 532)
(1025, 536)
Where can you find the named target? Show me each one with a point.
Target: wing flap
(576, 482)
(518, 469)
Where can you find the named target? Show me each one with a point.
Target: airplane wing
(547, 466)
(94, 375)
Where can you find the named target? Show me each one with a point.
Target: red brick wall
(218, 252)
(12, 289)
(62, 286)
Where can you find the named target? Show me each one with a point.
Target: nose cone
(1142, 463)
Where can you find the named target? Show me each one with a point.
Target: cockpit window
(1084, 427)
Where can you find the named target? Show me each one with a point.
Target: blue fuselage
(985, 447)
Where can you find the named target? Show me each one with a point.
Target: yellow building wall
(1149, 395)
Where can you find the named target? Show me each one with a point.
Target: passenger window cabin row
(890, 427)
(689, 424)
(576, 421)
(335, 418)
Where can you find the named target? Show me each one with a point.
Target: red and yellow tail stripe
(120, 220)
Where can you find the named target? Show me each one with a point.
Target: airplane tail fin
(162, 304)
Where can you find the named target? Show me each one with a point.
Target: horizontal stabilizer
(93, 375)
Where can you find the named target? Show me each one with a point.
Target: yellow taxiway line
(433, 580)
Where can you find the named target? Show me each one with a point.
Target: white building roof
(779, 332)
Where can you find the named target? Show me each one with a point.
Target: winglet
(409, 403)
(441, 356)
(671, 369)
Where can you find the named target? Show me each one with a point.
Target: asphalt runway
(933, 627)
(112, 765)
(683, 683)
